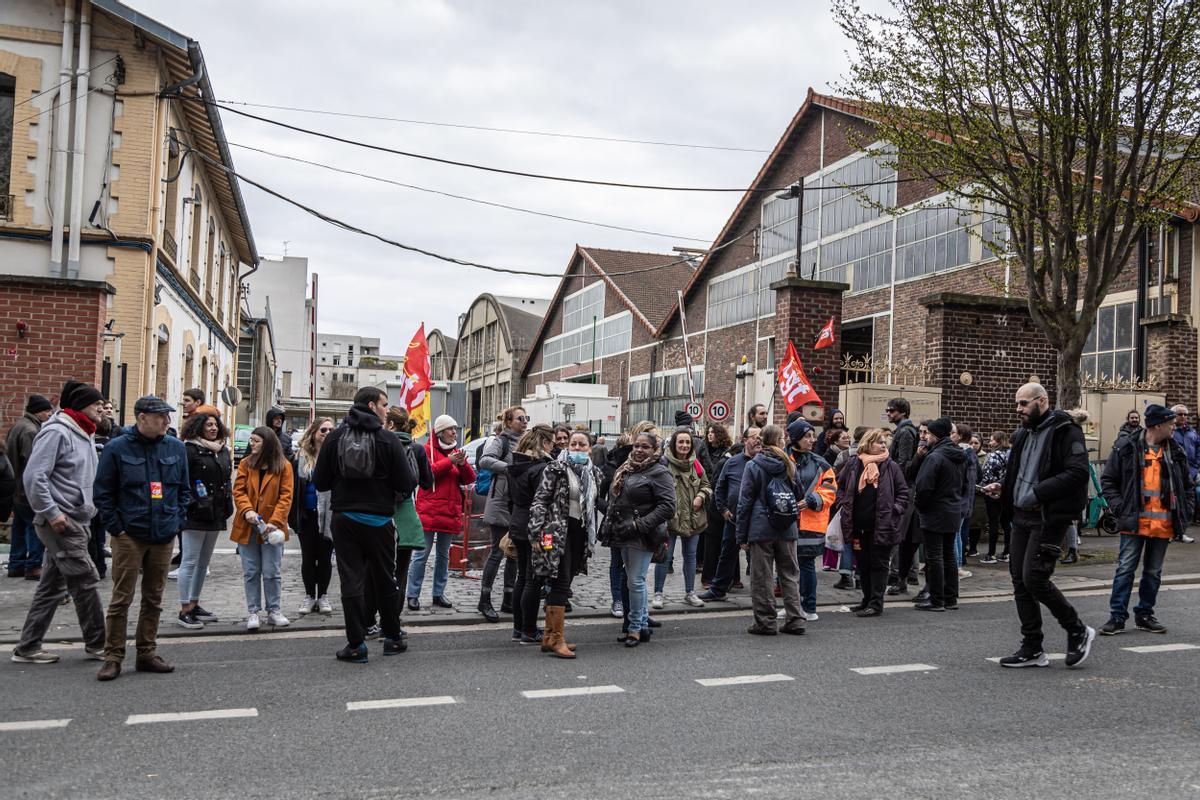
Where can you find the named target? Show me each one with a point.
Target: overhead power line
(88, 71)
(491, 203)
(413, 249)
(63, 104)
(520, 173)
(491, 129)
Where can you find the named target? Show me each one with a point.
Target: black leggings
(316, 563)
(527, 591)
(492, 565)
(573, 547)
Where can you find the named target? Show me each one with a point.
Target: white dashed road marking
(738, 680)
(1051, 656)
(893, 669)
(537, 694)
(1162, 648)
(400, 702)
(191, 716)
(34, 724)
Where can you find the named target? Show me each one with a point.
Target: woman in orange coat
(262, 498)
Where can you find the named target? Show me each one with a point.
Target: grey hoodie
(60, 472)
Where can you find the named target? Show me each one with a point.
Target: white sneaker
(964, 573)
(253, 623)
(692, 600)
(307, 605)
(781, 614)
(173, 575)
(657, 602)
(323, 605)
(277, 619)
(811, 617)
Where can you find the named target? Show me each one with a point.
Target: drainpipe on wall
(79, 151)
(58, 194)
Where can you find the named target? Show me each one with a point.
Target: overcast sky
(712, 73)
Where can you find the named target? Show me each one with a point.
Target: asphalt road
(1125, 725)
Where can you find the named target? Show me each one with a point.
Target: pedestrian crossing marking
(739, 680)
(893, 669)
(537, 694)
(1050, 656)
(400, 702)
(1162, 648)
(34, 724)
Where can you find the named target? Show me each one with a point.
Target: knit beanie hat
(78, 396)
(683, 419)
(940, 427)
(798, 429)
(443, 422)
(37, 403)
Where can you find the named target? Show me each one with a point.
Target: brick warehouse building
(918, 298)
(109, 213)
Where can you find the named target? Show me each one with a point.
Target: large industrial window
(1108, 352)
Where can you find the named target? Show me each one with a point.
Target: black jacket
(1121, 483)
(639, 515)
(905, 440)
(612, 462)
(940, 487)
(285, 441)
(215, 471)
(376, 495)
(8, 487)
(524, 476)
(1063, 474)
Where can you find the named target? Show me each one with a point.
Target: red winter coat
(441, 509)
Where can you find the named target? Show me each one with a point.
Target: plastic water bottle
(201, 489)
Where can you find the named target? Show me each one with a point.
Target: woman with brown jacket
(262, 498)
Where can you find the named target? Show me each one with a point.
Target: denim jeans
(27, 549)
(616, 573)
(261, 564)
(808, 584)
(960, 542)
(637, 561)
(689, 545)
(441, 565)
(197, 552)
(846, 559)
(1132, 549)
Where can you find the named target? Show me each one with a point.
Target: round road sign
(694, 409)
(718, 411)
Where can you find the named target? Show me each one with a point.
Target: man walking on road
(1187, 438)
(365, 467)
(1043, 490)
(25, 554)
(1147, 488)
(142, 494)
(58, 479)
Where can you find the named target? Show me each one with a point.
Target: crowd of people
(873, 503)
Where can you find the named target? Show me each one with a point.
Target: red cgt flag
(825, 337)
(793, 383)
(417, 382)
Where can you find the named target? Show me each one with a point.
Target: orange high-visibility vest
(1154, 519)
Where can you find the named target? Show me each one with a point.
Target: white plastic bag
(833, 534)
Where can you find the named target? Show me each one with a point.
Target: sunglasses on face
(324, 430)
(523, 419)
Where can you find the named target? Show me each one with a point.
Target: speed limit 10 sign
(718, 411)
(694, 410)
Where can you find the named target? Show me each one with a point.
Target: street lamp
(796, 192)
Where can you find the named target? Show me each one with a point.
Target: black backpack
(779, 497)
(356, 453)
(410, 452)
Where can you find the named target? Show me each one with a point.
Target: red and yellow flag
(794, 385)
(417, 382)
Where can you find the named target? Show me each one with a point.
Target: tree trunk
(1069, 392)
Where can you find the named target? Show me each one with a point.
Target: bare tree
(1078, 119)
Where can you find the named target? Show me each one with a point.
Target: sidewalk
(223, 593)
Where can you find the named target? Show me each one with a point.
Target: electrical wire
(33, 97)
(464, 197)
(519, 173)
(522, 131)
(60, 105)
(411, 248)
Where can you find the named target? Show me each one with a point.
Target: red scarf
(81, 420)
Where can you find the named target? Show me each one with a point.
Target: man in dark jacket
(939, 490)
(903, 451)
(142, 494)
(1146, 484)
(1044, 489)
(725, 497)
(276, 418)
(25, 555)
(364, 534)
(1187, 438)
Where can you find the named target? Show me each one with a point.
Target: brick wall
(802, 308)
(995, 341)
(1171, 357)
(64, 320)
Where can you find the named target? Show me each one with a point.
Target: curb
(443, 620)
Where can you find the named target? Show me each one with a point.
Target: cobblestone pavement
(223, 592)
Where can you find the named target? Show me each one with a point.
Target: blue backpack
(484, 477)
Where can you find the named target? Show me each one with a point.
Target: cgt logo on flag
(793, 383)
(825, 337)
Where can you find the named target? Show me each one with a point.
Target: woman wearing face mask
(524, 477)
(209, 468)
(692, 491)
(440, 511)
(562, 521)
(310, 519)
(640, 502)
(262, 495)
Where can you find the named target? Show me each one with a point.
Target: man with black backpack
(364, 467)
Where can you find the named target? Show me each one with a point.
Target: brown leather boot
(554, 626)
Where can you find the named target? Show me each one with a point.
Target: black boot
(921, 596)
(485, 607)
(1071, 557)
(506, 606)
(844, 582)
